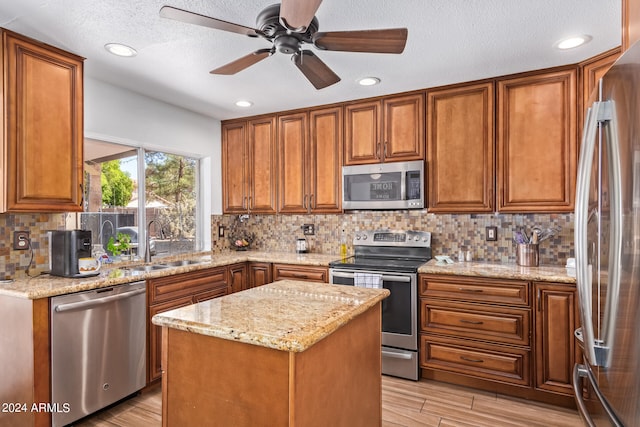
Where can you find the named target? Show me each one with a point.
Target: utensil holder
(527, 254)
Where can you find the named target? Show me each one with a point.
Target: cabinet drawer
(479, 360)
(497, 291)
(300, 272)
(185, 284)
(498, 324)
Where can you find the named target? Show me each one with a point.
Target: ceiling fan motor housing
(268, 22)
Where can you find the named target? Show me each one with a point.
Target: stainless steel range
(390, 260)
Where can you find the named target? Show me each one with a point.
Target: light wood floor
(404, 403)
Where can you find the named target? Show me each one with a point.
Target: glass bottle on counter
(343, 245)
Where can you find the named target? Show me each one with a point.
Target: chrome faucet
(147, 243)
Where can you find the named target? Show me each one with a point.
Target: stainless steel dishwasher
(97, 349)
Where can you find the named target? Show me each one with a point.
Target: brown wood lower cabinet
(237, 277)
(178, 290)
(510, 336)
(259, 274)
(300, 272)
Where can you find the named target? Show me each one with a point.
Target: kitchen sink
(180, 263)
(147, 268)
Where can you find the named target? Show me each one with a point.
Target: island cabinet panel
(389, 129)
(237, 277)
(259, 274)
(556, 317)
(179, 290)
(249, 176)
(232, 383)
(537, 142)
(460, 148)
(42, 136)
(300, 272)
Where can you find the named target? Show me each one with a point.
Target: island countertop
(287, 315)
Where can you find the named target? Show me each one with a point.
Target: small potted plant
(120, 245)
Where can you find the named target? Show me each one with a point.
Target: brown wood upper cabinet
(630, 23)
(592, 70)
(537, 142)
(460, 148)
(310, 160)
(385, 130)
(42, 135)
(249, 166)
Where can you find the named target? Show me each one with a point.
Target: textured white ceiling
(449, 41)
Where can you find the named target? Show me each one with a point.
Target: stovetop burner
(393, 251)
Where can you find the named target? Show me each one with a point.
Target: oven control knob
(357, 237)
(416, 238)
(424, 239)
(364, 237)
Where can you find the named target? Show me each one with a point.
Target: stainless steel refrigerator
(607, 246)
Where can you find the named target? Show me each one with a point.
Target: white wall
(117, 115)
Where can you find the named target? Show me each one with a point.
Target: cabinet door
(325, 160)
(44, 127)
(460, 149)
(237, 277)
(630, 23)
(293, 192)
(555, 319)
(537, 142)
(235, 162)
(155, 335)
(362, 143)
(259, 274)
(592, 71)
(262, 165)
(403, 128)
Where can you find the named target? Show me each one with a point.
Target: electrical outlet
(221, 231)
(491, 234)
(309, 229)
(20, 240)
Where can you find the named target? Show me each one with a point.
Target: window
(126, 187)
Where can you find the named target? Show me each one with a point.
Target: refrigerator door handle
(579, 372)
(610, 121)
(583, 274)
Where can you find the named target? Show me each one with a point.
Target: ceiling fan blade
(296, 15)
(242, 63)
(314, 69)
(206, 21)
(390, 40)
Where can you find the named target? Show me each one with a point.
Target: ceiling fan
(290, 25)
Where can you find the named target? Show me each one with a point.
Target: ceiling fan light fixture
(573, 41)
(369, 81)
(243, 103)
(120, 49)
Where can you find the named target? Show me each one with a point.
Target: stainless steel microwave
(397, 185)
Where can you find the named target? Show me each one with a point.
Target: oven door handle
(394, 355)
(385, 277)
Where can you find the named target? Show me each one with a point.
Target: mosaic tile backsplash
(449, 233)
(14, 263)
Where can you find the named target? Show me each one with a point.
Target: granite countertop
(287, 315)
(45, 285)
(501, 271)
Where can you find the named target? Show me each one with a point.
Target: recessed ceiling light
(244, 104)
(573, 41)
(369, 81)
(120, 49)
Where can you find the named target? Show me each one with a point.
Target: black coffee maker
(66, 247)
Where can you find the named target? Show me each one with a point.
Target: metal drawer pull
(473, 322)
(397, 355)
(472, 360)
(470, 290)
(302, 276)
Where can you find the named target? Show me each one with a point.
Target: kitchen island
(288, 353)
